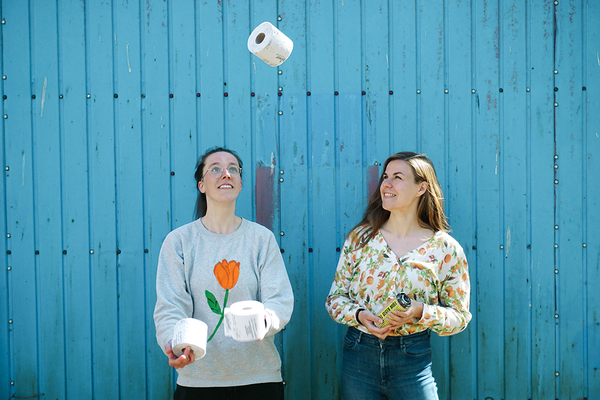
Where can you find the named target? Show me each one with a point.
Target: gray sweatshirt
(186, 271)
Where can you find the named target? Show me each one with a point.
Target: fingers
(191, 356)
(179, 362)
(408, 317)
(381, 336)
(369, 321)
(367, 316)
(381, 333)
(397, 319)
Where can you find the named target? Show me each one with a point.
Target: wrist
(357, 315)
(421, 308)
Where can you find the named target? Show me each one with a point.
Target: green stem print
(214, 306)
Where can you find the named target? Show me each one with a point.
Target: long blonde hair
(430, 210)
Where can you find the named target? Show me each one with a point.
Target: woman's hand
(179, 362)
(368, 320)
(398, 318)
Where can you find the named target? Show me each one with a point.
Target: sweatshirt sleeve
(275, 288)
(339, 304)
(451, 313)
(173, 300)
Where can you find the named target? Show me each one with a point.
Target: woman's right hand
(368, 320)
(179, 362)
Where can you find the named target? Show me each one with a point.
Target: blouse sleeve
(451, 313)
(339, 304)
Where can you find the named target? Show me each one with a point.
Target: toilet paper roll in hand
(245, 321)
(269, 44)
(189, 332)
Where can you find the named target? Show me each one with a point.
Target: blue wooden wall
(108, 104)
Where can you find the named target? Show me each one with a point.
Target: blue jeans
(398, 367)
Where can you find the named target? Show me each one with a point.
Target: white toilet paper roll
(269, 44)
(190, 332)
(245, 321)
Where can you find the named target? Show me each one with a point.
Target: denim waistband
(390, 340)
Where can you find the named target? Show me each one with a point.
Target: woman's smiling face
(398, 188)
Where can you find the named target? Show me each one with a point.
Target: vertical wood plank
(103, 225)
(5, 354)
(294, 209)
(183, 107)
(404, 76)
(239, 130)
(75, 218)
(265, 161)
(490, 278)
(154, 68)
(47, 159)
(209, 22)
(541, 199)
(514, 182)
(321, 111)
(570, 197)
(351, 176)
(460, 202)
(432, 134)
(376, 76)
(432, 85)
(129, 204)
(591, 135)
(23, 312)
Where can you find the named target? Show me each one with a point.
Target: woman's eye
(216, 169)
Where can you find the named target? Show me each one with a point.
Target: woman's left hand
(399, 318)
(179, 362)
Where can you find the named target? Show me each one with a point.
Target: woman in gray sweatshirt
(215, 261)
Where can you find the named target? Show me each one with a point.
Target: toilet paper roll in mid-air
(189, 332)
(245, 321)
(270, 44)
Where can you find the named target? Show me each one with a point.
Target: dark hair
(201, 200)
(430, 210)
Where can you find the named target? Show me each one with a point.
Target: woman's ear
(201, 187)
(423, 188)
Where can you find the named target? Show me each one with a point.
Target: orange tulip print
(227, 274)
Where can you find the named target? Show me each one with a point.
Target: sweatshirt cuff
(273, 322)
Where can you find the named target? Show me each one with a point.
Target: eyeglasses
(216, 171)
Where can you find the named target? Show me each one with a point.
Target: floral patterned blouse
(435, 273)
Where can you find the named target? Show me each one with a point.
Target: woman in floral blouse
(400, 246)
